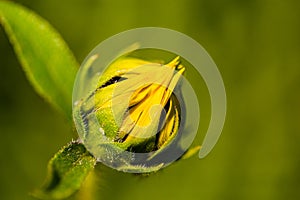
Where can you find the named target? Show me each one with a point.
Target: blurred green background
(256, 45)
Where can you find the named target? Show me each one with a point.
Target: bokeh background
(256, 45)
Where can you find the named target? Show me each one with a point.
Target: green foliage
(51, 68)
(66, 172)
(46, 59)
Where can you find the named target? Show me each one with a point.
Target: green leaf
(66, 172)
(46, 59)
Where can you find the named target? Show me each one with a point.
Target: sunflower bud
(135, 107)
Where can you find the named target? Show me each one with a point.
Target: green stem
(88, 189)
